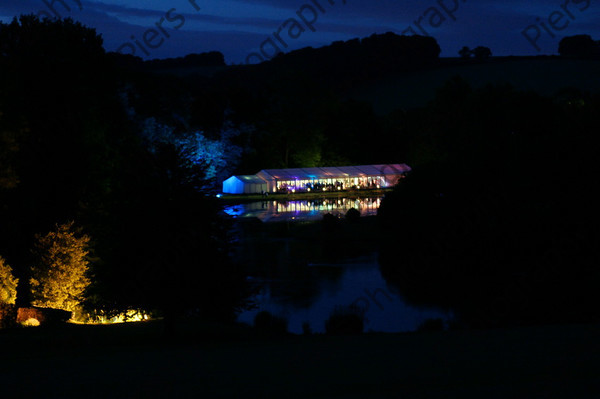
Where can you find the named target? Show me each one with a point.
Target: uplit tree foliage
(219, 156)
(8, 284)
(59, 274)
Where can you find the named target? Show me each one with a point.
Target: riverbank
(133, 361)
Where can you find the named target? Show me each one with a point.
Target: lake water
(358, 282)
(292, 284)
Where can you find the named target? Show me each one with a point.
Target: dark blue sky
(239, 27)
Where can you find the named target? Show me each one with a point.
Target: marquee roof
(250, 179)
(334, 172)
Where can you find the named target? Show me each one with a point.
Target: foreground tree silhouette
(169, 252)
(9, 147)
(58, 276)
(484, 228)
(63, 132)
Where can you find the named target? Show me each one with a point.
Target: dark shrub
(8, 315)
(345, 320)
(268, 323)
(431, 325)
(330, 222)
(353, 215)
(306, 330)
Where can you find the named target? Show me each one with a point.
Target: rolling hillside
(545, 75)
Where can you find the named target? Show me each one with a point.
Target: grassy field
(134, 361)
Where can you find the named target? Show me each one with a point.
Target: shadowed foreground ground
(132, 361)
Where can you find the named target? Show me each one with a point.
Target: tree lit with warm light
(59, 277)
(8, 284)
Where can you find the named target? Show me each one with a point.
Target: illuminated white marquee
(338, 178)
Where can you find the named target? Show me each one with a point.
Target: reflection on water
(291, 265)
(271, 211)
(357, 282)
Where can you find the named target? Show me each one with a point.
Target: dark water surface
(302, 273)
(356, 281)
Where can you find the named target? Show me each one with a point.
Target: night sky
(239, 27)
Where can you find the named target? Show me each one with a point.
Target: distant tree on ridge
(481, 52)
(465, 52)
(579, 46)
